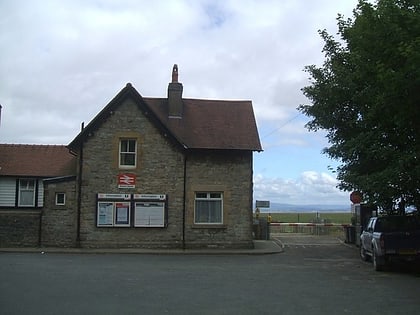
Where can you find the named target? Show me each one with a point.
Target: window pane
(26, 198)
(215, 211)
(131, 146)
(201, 211)
(208, 211)
(123, 146)
(27, 184)
(216, 195)
(23, 183)
(60, 199)
(128, 146)
(127, 159)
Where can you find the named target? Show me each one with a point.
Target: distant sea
(282, 207)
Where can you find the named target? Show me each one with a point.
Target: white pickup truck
(390, 238)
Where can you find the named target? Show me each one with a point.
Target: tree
(366, 95)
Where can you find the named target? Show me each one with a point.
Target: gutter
(184, 201)
(79, 190)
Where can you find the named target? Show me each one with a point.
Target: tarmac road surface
(312, 276)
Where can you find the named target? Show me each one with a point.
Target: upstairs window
(26, 193)
(128, 153)
(208, 208)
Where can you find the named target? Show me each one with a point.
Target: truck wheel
(377, 266)
(363, 254)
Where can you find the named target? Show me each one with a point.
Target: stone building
(165, 172)
(26, 207)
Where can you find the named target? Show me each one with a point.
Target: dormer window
(128, 153)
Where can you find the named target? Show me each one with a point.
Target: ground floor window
(60, 199)
(26, 193)
(208, 208)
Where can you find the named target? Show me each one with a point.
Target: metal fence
(309, 228)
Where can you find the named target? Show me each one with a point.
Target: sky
(63, 61)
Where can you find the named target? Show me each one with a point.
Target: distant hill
(284, 207)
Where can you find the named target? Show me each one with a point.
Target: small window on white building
(208, 208)
(128, 153)
(26, 193)
(60, 199)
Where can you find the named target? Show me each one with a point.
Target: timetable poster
(122, 210)
(105, 213)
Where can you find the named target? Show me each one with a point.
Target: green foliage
(366, 96)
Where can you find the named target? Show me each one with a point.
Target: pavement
(261, 247)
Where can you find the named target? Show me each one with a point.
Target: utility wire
(281, 126)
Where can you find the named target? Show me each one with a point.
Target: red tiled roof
(205, 124)
(36, 160)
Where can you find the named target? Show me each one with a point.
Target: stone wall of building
(19, 228)
(162, 168)
(230, 173)
(159, 170)
(59, 222)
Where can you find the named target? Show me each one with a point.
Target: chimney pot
(175, 74)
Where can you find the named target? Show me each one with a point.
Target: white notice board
(149, 214)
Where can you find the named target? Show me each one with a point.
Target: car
(390, 238)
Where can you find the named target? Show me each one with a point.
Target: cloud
(309, 188)
(70, 58)
(63, 61)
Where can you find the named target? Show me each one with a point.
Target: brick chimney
(175, 95)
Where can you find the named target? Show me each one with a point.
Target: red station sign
(126, 180)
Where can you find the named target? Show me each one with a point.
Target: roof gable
(36, 160)
(127, 92)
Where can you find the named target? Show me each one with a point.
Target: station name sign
(149, 197)
(262, 204)
(160, 197)
(114, 196)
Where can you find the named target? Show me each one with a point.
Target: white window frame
(57, 203)
(121, 153)
(214, 196)
(26, 189)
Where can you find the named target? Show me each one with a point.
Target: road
(314, 275)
